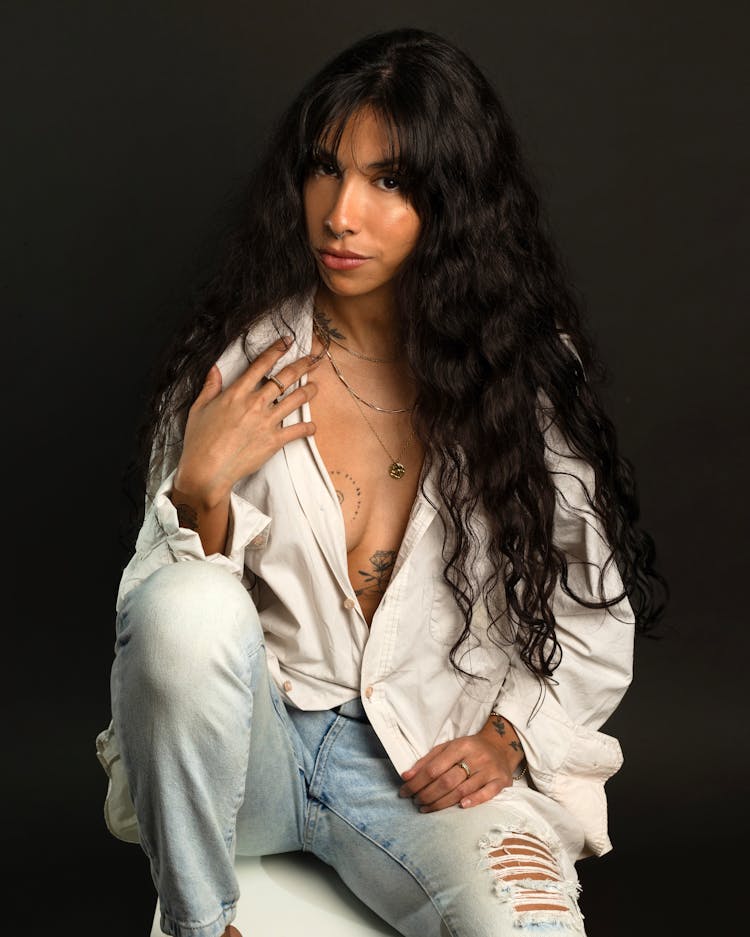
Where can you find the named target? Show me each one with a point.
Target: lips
(341, 260)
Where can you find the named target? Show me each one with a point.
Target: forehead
(364, 138)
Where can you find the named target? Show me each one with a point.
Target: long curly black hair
(482, 303)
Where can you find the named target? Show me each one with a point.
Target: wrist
(198, 497)
(504, 735)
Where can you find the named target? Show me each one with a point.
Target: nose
(345, 215)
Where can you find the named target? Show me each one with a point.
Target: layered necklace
(325, 333)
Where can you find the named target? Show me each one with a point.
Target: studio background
(127, 130)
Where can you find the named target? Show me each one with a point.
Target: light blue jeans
(217, 765)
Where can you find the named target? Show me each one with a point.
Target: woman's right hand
(230, 433)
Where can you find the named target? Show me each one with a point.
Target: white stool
(295, 894)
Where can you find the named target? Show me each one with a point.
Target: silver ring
(467, 769)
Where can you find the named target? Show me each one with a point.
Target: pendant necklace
(397, 469)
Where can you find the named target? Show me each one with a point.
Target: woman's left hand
(438, 780)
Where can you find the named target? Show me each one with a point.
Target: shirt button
(368, 692)
(349, 603)
(287, 685)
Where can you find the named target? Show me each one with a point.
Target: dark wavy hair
(482, 303)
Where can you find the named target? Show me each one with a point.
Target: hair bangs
(324, 121)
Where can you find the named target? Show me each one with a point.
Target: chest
(358, 446)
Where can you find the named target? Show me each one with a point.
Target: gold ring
(277, 382)
(467, 769)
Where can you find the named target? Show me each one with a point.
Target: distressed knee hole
(526, 874)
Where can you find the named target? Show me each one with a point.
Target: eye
(389, 183)
(325, 168)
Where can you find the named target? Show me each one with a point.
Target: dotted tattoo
(347, 490)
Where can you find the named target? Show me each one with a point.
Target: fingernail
(466, 802)
(287, 341)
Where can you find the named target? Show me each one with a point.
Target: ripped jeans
(217, 765)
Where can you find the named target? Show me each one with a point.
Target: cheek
(311, 202)
(403, 230)
(415, 229)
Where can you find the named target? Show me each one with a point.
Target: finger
(469, 793)
(291, 402)
(466, 789)
(296, 431)
(447, 784)
(279, 436)
(484, 793)
(263, 363)
(441, 761)
(287, 376)
(211, 386)
(425, 759)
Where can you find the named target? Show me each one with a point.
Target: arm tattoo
(187, 516)
(499, 725)
(382, 566)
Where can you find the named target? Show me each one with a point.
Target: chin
(346, 286)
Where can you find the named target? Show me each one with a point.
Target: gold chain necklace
(356, 396)
(359, 354)
(397, 469)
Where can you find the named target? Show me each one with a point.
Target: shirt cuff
(248, 529)
(569, 763)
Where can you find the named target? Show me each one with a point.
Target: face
(355, 193)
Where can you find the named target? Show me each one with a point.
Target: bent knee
(186, 619)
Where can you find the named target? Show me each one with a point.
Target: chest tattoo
(348, 492)
(376, 578)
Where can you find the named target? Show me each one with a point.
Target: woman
(386, 585)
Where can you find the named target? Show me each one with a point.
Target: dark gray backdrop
(127, 127)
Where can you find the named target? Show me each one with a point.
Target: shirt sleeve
(161, 540)
(558, 720)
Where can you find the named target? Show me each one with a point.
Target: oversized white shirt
(287, 544)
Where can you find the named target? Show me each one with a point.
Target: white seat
(295, 894)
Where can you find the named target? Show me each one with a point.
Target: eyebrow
(383, 164)
(326, 155)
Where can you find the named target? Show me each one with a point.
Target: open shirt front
(287, 544)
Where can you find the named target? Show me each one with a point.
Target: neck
(366, 324)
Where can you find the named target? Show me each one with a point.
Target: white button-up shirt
(287, 544)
